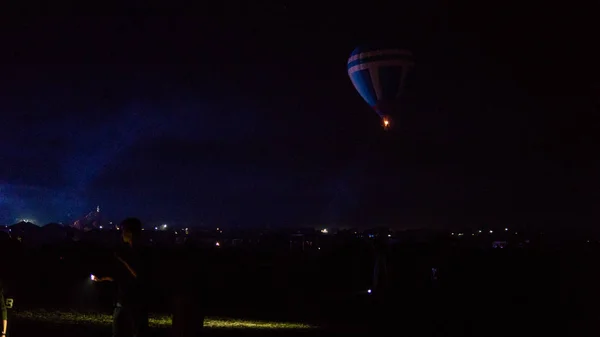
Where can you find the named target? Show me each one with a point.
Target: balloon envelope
(378, 74)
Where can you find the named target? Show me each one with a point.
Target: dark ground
(27, 329)
(479, 293)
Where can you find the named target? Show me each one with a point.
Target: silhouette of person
(3, 309)
(6, 247)
(188, 294)
(130, 316)
(380, 268)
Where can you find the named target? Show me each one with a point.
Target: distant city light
(389, 235)
(452, 233)
(479, 231)
(491, 232)
(164, 226)
(217, 244)
(324, 231)
(369, 291)
(506, 229)
(100, 227)
(155, 228)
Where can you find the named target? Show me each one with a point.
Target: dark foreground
(431, 318)
(93, 331)
(55, 323)
(512, 292)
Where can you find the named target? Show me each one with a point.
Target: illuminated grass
(157, 321)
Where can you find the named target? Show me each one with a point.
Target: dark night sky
(243, 114)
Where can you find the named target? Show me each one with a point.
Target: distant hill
(24, 227)
(53, 226)
(53, 232)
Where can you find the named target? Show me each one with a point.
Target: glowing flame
(386, 123)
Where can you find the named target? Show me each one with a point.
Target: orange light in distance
(386, 123)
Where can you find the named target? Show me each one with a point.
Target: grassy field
(26, 323)
(156, 321)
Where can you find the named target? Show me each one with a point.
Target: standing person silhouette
(3, 309)
(189, 294)
(130, 316)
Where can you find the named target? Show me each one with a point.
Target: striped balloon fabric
(378, 74)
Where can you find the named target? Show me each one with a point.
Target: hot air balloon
(378, 74)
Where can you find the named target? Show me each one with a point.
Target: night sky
(243, 115)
